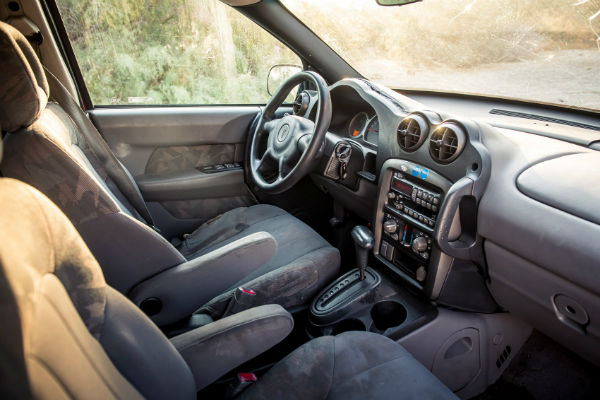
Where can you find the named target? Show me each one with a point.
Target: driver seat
(53, 146)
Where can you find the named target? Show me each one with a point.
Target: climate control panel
(406, 246)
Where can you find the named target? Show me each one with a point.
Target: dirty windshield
(543, 51)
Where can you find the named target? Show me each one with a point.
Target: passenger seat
(67, 334)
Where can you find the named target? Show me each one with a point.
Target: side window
(171, 52)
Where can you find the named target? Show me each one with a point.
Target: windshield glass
(543, 51)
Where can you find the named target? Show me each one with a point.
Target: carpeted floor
(544, 370)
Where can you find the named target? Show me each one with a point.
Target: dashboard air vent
(447, 142)
(301, 103)
(412, 132)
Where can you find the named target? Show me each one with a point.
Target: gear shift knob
(363, 241)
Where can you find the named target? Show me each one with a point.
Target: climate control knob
(419, 244)
(390, 226)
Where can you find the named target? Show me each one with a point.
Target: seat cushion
(352, 365)
(303, 264)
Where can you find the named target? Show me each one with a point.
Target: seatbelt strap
(98, 146)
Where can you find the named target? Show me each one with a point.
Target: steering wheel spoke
(283, 169)
(270, 125)
(266, 156)
(304, 142)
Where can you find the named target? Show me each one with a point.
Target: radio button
(391, 195)
(436, 200)
(434, 208)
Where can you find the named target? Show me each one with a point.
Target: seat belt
(98, 146)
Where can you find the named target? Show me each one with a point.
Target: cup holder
(387, 314)
(348, 325)
(345, 325)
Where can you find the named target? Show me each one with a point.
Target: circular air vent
(412, 132)
(301, 103)
(447, 142)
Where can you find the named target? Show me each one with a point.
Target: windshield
(542, 51)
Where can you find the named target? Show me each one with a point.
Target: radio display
(402, 187)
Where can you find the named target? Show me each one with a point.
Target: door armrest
(192, 184)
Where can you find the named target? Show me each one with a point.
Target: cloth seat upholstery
(67, 334)
(46, 149)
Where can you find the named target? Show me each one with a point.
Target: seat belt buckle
(239, 384)
(242, 299)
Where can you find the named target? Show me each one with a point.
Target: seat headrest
(23, 87)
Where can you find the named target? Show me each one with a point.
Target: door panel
(167, 150)
(135, 133)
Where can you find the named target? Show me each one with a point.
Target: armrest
(192, 184)
(183, 289)
(215, 349)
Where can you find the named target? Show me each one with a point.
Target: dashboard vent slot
(535, 117)
(412, 132)
(446, 143)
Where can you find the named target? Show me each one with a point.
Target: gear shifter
(363, 241)
(345, 296)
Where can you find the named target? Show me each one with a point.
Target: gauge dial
(372, 131)
(357, 124)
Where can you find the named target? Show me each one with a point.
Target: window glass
(171, 52)
(542, 50)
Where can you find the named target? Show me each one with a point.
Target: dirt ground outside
(569, 77)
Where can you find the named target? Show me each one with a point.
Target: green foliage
(204, 52)
(170, 52)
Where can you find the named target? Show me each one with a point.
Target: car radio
(414, 200)
(409, 211)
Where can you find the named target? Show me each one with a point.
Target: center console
(410, 198)
(409, 203)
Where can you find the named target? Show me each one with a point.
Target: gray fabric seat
(46, 148)
(304, 261)
(67, 334)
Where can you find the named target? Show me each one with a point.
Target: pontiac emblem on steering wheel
(283, 133)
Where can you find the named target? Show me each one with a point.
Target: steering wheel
(289, 147)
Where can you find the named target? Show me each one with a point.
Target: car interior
(342, 240)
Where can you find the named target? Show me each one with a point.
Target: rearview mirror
(278, 74)
(396, 2)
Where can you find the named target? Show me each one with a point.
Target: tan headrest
(23, 87)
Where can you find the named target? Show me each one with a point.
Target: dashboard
(475, 203)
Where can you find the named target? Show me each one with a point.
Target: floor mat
(545, 370)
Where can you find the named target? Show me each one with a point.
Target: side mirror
(278, 74)
(396, 2)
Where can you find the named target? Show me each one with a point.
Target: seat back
(46, 149)
(65, 332)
